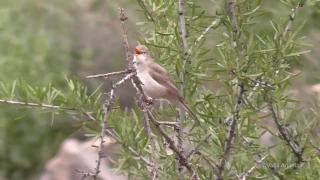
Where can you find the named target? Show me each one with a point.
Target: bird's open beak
(137, 51)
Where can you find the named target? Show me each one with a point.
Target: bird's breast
(151, 87)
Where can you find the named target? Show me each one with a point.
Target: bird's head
(141, 56)
(142, 50)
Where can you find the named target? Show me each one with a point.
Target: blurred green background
(45, 41)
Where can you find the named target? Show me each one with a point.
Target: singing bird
(156, 82)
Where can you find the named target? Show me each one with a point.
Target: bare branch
(292, 17)
(258, 84)
(295, 147)
(235, 173)
(143, 159)
(214, 23)
(108, 108)
(154, 175)
(124, 79)
(135, 80)
(262, 83)
(166, 123)
(231, 132)
(182, 158)
(184, 36)
(253, 90)
(183, 33)
(134, 152)
(240, 91)
(251, 170)
(179, 136)
(204, 139)
(232, 11)
(114, 136)
(85, 175)
(211, 164)
(123, 18)
(146, 9)
(108, 74)
(314, 146)
(250, 144)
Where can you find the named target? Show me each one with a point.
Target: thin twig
(195, 150)
(183, 33)
(250, 144)
(262, 83)
(167, 123)
(123, 80)
(234, 172)
(214, 23)
(247, 100)
(108, 108)
(143, 159)
(314, 146)
(115, 137)
(295, 147)
(184, 36)
(232, 11)
(182, 158)
(236, 111)
(146, 9)
(257, 85)
(108, 74)
(211, 164)
(134, 152)
(204, 139)
(123, 18)
(231, 132)
(292, 17)
(154, 175)
(255, 88)
(251, 170)
(290, 22)
(135, 80)
(179, 136)
(84, 174)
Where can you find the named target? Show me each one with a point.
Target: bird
(156, 82)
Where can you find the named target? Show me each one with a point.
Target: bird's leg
(150, 102)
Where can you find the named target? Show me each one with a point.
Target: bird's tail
(184, 105)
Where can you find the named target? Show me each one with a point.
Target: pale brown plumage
(156, 81)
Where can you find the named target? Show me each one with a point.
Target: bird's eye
(144, 52)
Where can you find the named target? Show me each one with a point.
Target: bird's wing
(160, 75)
(159, 69)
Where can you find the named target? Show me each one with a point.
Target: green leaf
(274, 27)
(251, 12)
(13, 90)
(260, 39)
(297, 53)
(199, 74)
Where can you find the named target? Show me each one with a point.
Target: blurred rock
(315, 90)
(75, 155)
(84, 3)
